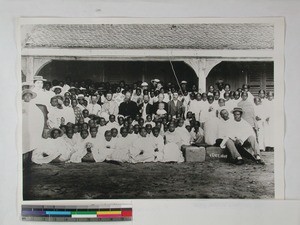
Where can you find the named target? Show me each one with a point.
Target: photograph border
(277, 55)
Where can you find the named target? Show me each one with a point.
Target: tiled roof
(152, 36)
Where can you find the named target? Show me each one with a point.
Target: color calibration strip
(77, 213)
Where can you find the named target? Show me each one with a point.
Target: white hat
(82, 88)
(31, 85)
(27, 91)
(72, 88)
(39, 78)
(183, 82)
(80, 96)
(155, 80)
(55, 87)
(60, 96)
(119, 115)
(144, 84)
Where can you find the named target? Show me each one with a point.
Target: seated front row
(128, 147)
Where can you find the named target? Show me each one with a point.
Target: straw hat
(27, 91)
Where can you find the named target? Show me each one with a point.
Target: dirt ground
(210, 179)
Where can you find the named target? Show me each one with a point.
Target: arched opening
(258, 74)
(114, 71)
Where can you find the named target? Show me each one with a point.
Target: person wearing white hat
(159, 86)
(27, 85)
(32, 122)
(43, 97)
(144, 86)
(154, 82)
(81, 99)
(57, 89)
(66, 85)
(183, 85)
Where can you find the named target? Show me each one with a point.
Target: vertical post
(27, 68)
(202, 81)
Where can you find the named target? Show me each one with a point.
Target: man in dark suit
(160, 99)
(128, 107)
(146, 108)
(175, 107)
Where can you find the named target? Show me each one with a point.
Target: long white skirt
(120, 155)
(269, 133)
(32, 126)
(211, 131)
(172, 153)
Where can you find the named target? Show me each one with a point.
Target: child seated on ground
(92, 144)
(82, 146)
(142, 150)
(157, 144)
(107, 147)
(70, 140)
(161, 112)
(123, 145)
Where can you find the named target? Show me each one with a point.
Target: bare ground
(209, 179)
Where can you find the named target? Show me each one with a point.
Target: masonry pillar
(202, 67)
(27, 68)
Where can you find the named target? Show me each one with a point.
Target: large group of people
(86, 121)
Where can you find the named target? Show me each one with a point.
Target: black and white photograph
(150, 109)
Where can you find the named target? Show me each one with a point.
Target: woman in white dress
(211, 123)
(269, 123)
(183, 132)
(32, 122)
(82, 146)
(172, 152)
